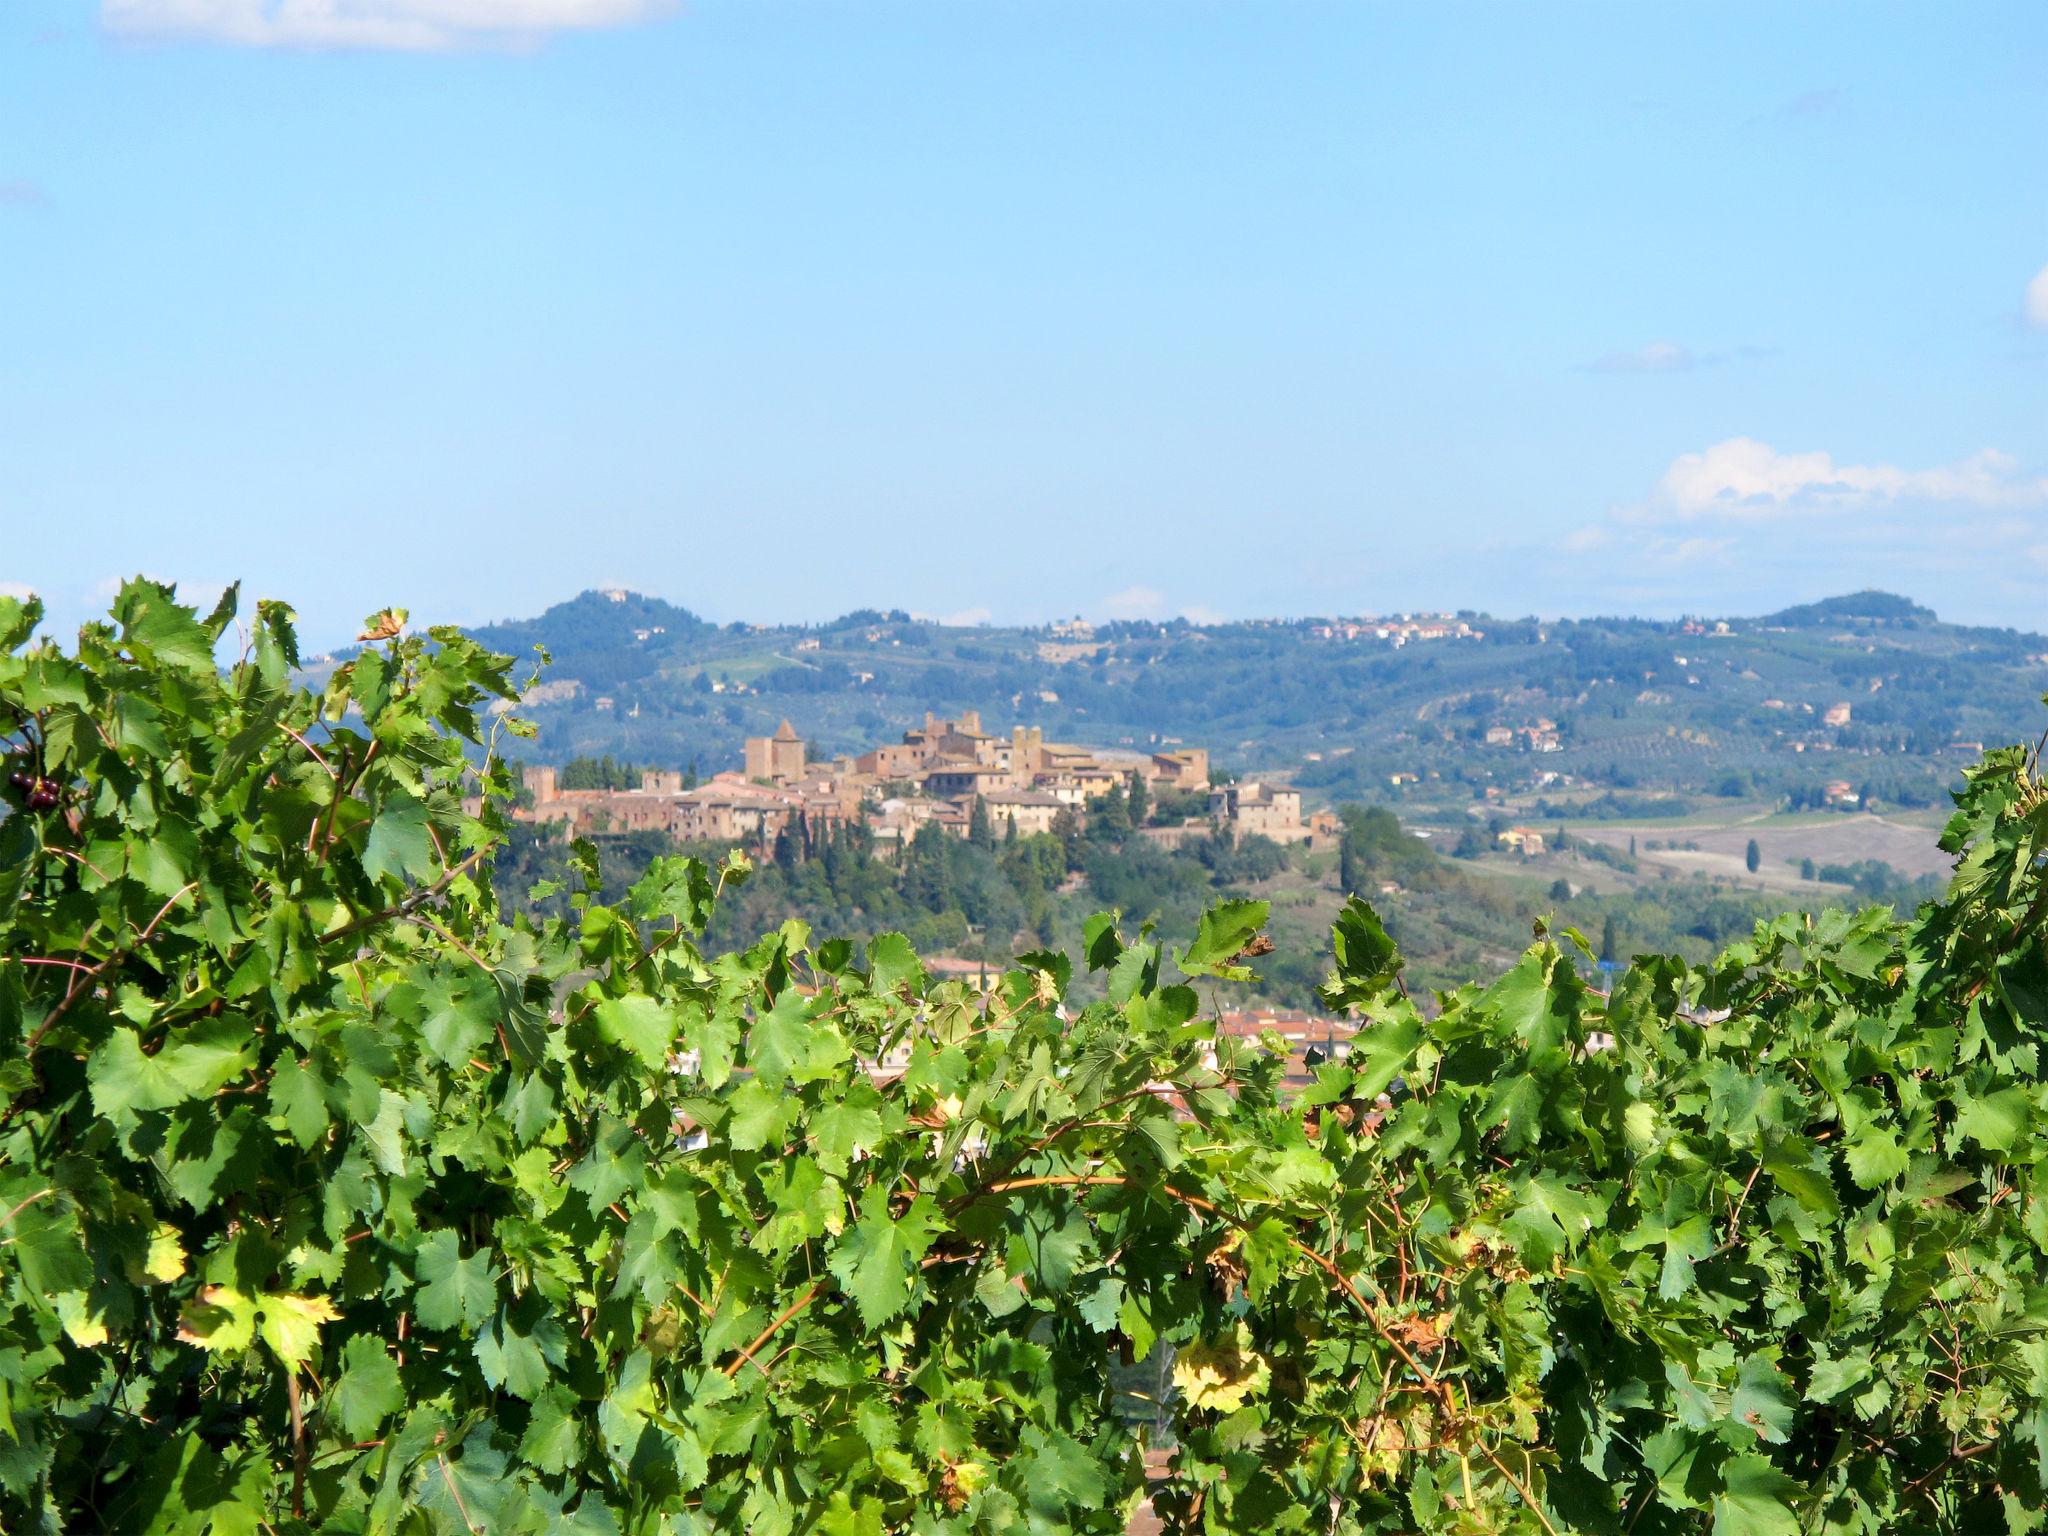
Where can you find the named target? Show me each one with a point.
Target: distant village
(933, 777)
(1400, 630)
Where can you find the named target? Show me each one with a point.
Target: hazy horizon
(324, 631)
(319, 635)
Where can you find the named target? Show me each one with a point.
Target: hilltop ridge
(1868, 606)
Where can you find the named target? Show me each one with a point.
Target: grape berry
(41, 793)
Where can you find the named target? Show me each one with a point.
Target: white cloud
(1657, 357)
(1693, 551)
(1143, 602)
(415, 25)
(1741, 527)
(1744, 478)
(1139, 602)
(2037, 299)
(966, 618)
(1675, 357)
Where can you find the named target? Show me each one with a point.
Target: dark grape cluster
(39, 793)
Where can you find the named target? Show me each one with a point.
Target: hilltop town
(936, 776)
(1426, 711)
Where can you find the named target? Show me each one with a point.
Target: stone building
(1181, 768)
(1033, 810)
(779, 758)
(955, 780)
(1253, 807)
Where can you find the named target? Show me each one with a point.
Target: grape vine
(333, 1199)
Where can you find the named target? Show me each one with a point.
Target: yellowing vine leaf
(1220, 1374)
(219, 1318)
(290, 1325)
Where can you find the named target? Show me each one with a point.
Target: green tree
(1139, 806)
(1752, 857)
(1066, 830)
(1109, 815)
(1610, 940)
(980, 831)
(928, 870)
(598, 773)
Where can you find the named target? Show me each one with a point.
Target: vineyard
(335, 1197)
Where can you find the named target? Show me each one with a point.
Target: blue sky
(1025, 308)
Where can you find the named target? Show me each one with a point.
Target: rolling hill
(1867, 688)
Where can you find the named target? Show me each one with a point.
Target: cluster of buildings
(1538, 736)
(1834, 717)
(933, 776)
(1401, 630)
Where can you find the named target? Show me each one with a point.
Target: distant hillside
(603, 639)
(1613, 709)
(1856, 608)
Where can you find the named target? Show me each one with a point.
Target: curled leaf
(959, 1481)
(383, 624)
(1221, 1373)
(1227, 1264)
